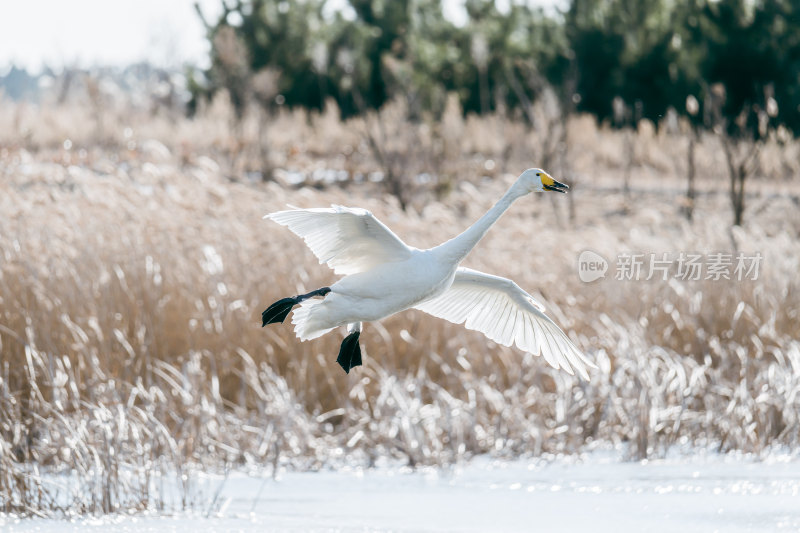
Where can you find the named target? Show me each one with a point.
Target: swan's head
(537, 180)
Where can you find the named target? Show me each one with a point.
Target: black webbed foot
(350, 352)
(278, 311)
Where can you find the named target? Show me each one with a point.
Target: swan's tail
(308, 320)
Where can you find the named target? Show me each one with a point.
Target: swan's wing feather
(501, 310)
(349, 240)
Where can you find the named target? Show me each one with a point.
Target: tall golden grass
(133, 272)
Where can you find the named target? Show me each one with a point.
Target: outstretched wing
(502, 311)
(349, 240)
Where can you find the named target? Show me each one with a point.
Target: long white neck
(457, 248)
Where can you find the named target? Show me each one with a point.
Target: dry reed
(133, 274)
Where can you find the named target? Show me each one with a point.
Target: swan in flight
(383, 276)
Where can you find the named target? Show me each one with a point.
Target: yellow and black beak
(552, 185)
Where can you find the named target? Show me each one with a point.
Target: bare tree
(742, 158)
(740, 142)
(692, 108)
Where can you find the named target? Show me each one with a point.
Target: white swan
(383, 276)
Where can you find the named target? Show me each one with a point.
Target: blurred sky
(117, 32)
(100, 32)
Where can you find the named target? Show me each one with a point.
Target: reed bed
(133, 274)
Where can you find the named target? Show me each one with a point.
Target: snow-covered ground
(594, 493)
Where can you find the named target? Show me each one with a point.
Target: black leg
(350, 352)
(278, 311)
(318, 292)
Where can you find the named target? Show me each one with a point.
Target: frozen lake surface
(594, 493)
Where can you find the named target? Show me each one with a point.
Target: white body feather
(384, 290)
